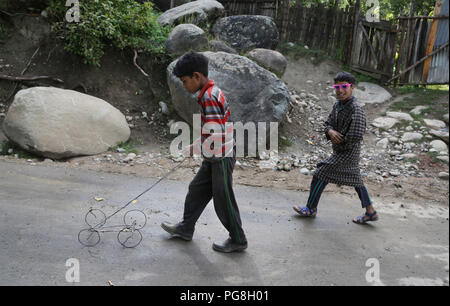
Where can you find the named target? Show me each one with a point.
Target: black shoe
(175, 231)
(229, 246)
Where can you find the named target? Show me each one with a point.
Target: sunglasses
(343, 86)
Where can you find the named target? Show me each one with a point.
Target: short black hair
(345, 77)
(191, 62)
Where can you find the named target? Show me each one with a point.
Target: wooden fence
(423, 56)
(414, 51)
(326, 28)
(374, 49)
(319, 27)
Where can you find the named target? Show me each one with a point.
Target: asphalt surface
(42, 210)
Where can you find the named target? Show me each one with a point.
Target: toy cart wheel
(89, 237)
(95, 218)
(135, 219)
(129, 238)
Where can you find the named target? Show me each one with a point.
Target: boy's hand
(336, 137)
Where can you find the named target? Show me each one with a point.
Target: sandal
(305, 211)
(363, 220)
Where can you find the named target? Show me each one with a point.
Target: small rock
(439, 146)
(418, 109)
(304, 171)
(434, 124)
(400, 116)
(443, 176)
(442, 135)
(411, 136)
(445, 118)
(383, 143)
(394, 153)
(443, 158)
(393, 139)
(384, 123)
(409, 156)
(394, 173)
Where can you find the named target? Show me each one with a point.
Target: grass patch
(414, 160)
(359, 77)
(3, 31)
(128, 146)
(422, 96)
(7, 146)
(433, 156)
(284, 142)
(297, 51)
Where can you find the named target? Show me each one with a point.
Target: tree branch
(140, 69)
(24, 79)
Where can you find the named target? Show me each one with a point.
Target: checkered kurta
(342, 167)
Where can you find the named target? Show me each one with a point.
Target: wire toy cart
(129, 233)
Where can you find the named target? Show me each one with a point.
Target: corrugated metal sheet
(439, 68)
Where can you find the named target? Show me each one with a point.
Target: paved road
(42, 210)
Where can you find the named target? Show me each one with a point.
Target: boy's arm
(357, 127)
(328, 126)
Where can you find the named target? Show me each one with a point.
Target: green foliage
(121, 23)
(128, 146)
(389, 9)
(316, 56)
(361, 77)
(284, 142)
(3, 31)
(5, 146)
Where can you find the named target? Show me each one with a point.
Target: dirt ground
(120, 83)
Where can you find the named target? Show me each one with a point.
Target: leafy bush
(122, 23)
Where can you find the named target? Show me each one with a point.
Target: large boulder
(197, 12)
(247, 32)
(58, 123)
(269, 59)
(254, 93)
(370, 93)
(186, 37)
(217, 46)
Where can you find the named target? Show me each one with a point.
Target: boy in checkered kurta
(345, 128)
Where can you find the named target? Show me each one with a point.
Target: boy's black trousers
(214, 180)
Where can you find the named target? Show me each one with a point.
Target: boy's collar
(209, 84)
(346, 101)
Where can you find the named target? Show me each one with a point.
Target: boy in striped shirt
(214, 178)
